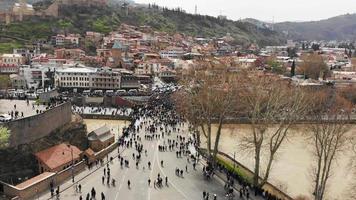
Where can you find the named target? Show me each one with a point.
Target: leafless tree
(272, 106)
(328, 136)
(208, 98)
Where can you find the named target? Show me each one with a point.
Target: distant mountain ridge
(341, 27)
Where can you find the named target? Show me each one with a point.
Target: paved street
(190, 186)
(7, 105)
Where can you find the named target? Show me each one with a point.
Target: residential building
(105, 79)
(17, 82)
(74, 77)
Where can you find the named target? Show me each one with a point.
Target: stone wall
(41, 185)
(32, 128)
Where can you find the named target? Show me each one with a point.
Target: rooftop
(58, 155)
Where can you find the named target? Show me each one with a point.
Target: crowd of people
(158, 122)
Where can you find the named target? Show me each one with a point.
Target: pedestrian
(129, 184)
(93, 193)
(166, 181)
(149, 182)
(88, 196)
(80, 188)
(80, 197)
(215, 197)
(186, 168)
(102, 196)
(102, 179)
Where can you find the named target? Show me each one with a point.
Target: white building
(87, 78)
(73, 77)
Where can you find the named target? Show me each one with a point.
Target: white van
(109, 93)
(132, 91)
(86, 92)
(120, 92)
(98, 93)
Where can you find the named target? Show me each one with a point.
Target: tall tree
(208, 98)
(314, 67)
(272, 107)
(328, 135)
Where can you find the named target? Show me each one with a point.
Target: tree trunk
(209, 140)
(217, 139)
(268, 169)
(256, 175)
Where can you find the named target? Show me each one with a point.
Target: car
(109, 93)
(5, 118)
(120, 92)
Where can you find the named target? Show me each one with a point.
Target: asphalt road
(189, 187)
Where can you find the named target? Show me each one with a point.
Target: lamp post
(72, 167)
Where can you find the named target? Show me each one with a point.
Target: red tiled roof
(58, 155)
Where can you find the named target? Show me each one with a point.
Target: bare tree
(313, 66)
(272, 106)
(208, 98)
(328, 135)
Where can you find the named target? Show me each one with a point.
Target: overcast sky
(266, 10)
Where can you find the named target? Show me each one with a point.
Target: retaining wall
(29, 129)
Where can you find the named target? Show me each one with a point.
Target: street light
(71, 152)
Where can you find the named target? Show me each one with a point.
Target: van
(120, 92)
(98, 93)
(86, 92)
(109, 93)
(132, 91)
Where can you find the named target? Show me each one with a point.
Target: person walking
(149, 182)
(129, 184)
(102, 196)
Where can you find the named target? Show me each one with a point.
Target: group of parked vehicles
(121, 92)
(20, 94)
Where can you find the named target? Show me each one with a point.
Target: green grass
(237, 170)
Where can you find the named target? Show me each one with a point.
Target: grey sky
(281, 10)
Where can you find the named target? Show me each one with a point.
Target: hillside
(78, 19)
(342, 27)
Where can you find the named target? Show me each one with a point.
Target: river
(293, 167)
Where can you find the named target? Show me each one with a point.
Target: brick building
(57, 158)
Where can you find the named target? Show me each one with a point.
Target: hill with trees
(79, 19)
